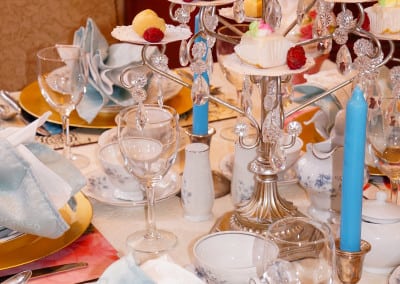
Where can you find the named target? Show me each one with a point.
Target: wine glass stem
(151, 217)
(67, 138)
(394, 186)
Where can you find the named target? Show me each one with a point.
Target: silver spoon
(7, 112)
(19, 278)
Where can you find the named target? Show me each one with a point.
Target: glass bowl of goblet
(148, 136)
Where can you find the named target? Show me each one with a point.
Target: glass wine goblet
(224, 51)
(383, 140)
(148, 136)
(62, 76)
(306, 252)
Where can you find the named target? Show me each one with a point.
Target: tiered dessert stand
(266, 204)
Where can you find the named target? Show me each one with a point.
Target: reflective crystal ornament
(209, 62)
(363, 46)
(273, 14)
(294, 128)
(395, 75)
(238, 11)
(210, 19)
(246, 94)
(345, 20)
(138, 82)
(344, 60)
(340, 35)
(241, 128)
(324, 6)
(199, 50)
(278, 157)
(271, 130)
(301, 11)
(183, 53)
(200, 90)
(141, 116)
(182, 15)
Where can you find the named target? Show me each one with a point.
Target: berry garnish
(153, 35)
(187, 0)
(296, 57)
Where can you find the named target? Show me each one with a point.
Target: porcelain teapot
(381, 227)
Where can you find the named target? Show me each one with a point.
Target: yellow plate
(33, 103)
(28, 248)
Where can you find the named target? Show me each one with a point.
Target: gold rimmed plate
(28, 248)
(32, 102)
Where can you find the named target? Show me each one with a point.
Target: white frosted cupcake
(384, 17)
(261, 47)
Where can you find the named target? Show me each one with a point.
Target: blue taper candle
(353, 172)
(200, 112)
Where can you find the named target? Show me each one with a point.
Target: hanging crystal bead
(141, 116)
(301, 11)
(182, 15)
(344, 60)
(183, 53)
(238, 11)
(345, 20)
(200, 90)
(340, 35)
(273, 14)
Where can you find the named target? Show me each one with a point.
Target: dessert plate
(226, 166)
(28, 248)
(233, 62)
(394, 277)
(203, 3)
(172, 33)
(99, 188)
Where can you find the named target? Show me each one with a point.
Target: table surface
(116, 223)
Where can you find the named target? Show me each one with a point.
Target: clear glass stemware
(149, 138)
(62, 76)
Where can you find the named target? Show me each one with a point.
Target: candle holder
(200, 138)
(349, 264)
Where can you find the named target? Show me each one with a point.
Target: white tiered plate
(233, 62)
(227, 12)
(99, 188)
(203, 3)
(172, 34)
(388, 36)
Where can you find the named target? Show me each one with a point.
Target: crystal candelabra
(266, 204)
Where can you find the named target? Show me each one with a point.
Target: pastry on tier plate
(384, 17)
(253, 8)
(149, 25)
(261, 47)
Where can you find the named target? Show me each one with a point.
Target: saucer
(226, 166)
(99, 188)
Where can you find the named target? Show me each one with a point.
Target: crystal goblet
(62, 76)
(306, 252)
(148, 136)
(383, 140)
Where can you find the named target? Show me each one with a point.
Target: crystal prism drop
(273, 14)
(183, 53)
(200, 90)
(238, 11)
(141, 116)
(344, 60)
(301, 11)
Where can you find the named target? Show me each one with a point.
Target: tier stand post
(266, 205)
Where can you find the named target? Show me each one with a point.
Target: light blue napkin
(106, 62)
(26, 206)
(125, 270)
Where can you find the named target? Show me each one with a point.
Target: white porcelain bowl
(125, 186)
(232, 256)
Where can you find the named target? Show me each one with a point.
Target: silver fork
(15, 105)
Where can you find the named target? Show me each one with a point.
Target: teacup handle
(254, 280)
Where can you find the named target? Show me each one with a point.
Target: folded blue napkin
(106, 62)
(35, 182)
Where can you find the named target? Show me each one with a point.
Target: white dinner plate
(99, 188)
(226, 166)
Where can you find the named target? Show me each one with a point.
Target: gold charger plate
(33, 103)
(28, 248)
